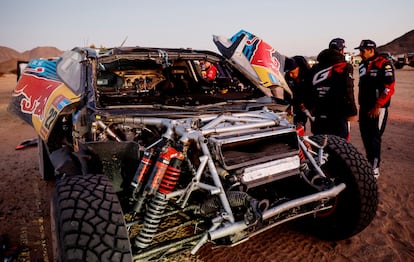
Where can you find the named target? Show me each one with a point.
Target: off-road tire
(89, 222)
(356, 206)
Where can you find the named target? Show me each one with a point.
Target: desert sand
(25, 198)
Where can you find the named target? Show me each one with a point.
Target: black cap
(337, 44)
(290, 64)
(366, 44)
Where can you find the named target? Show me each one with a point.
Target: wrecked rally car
(151, 159)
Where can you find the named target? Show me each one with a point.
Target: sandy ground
(24, 198)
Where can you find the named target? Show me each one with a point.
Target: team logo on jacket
(362, 70)
(323, 91)
(389, 70)
(322, 75)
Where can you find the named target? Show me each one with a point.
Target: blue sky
(295, 27)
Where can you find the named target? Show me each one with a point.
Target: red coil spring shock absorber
(141, 174)
(171, 176)
(301, 154)
(163, 179)
(300, 130)
(161, 167)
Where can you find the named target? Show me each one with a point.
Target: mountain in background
(9, 57)
(401, 45)
(7, 54)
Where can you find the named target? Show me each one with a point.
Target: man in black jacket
(376, 86)
(333, 91)
(298, 77)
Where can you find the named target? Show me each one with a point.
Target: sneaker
(376, 172)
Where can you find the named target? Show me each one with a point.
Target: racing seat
(180, 79)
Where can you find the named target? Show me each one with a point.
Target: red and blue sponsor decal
(259, 53)
(43, 68)
(36, 86)
(60, 102)
(35, 91)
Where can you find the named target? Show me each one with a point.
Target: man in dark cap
(297, 75)
(376, 86)
(337, 44)
(333, 91)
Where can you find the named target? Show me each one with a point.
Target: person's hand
(374, 112)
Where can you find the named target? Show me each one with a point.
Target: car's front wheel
(355, 207)
(88, 221)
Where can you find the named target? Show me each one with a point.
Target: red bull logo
(35, 91)
(263, 55)
(259, 52)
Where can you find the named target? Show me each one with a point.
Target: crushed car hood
(256, 58)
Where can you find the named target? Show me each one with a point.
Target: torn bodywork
(150, 158)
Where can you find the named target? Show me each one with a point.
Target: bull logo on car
(259, 52)
(35, 91)
(263, 56)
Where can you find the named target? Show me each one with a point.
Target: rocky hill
(401, 45)
(7, 54)
(9, 57)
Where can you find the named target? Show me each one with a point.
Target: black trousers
(332, 125)
(371, 130)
